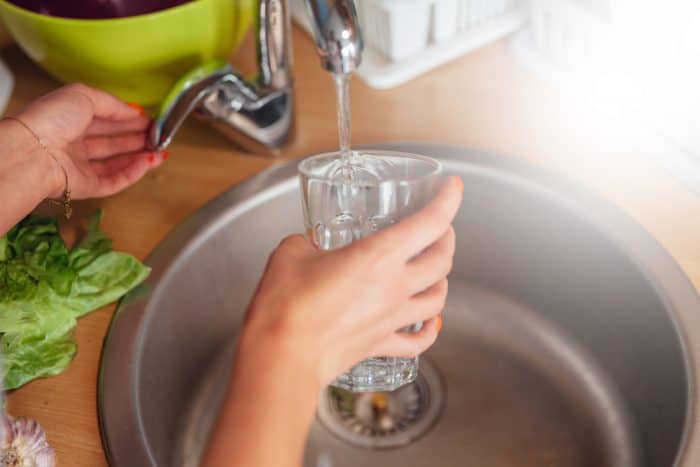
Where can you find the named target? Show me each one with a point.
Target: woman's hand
(317, 313)
(331, 309)
(97, 138)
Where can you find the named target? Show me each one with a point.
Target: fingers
(106, 146)
(64, 115)
(415, 233)
(425, 307)
(117, 173)
(407, 345)
(113, 165)
(100, 126)
(421, 307)
(432, 265)
(105, 105)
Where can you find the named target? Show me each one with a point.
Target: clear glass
(347, 199)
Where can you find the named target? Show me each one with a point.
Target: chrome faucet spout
(337, 34)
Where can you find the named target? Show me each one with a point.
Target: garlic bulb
(23, 444)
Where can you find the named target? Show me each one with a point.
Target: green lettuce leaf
(94, 244)
(34, 356)
(104, 280)
(44, 288)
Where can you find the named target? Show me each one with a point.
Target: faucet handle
(182, 99)
(259, 119)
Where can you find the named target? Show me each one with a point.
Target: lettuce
(45, 288)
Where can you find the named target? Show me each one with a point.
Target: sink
(561, 345)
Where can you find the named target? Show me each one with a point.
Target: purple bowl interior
(96, 9)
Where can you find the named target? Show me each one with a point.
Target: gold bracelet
(65, 199)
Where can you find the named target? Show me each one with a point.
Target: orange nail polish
(137, 107)
(460, 184)
(151, 158)
(438, 324)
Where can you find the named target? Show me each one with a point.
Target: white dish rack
(406, 38)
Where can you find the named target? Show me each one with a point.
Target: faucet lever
(182, 99)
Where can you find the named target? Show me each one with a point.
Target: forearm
(269, 408)
(27, 174)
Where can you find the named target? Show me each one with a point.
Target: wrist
(270, 373)
(267, 384)
(280, 353)
(52, 182)
(35, 167)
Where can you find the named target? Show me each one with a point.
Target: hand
(317, 313)
(97, 138)
(331, 309)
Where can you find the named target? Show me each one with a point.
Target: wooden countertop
(483, 100)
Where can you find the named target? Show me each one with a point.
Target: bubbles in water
(361, 169)
(379, 222)
(390, 372)
(342, 230)
(362, 199)
(322, 236)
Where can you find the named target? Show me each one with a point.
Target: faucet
(259, 114)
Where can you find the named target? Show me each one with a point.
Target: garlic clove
(23, 443)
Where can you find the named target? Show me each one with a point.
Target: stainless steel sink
(560, 345)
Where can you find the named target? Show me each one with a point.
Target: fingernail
(137, 107)
(439, 323)
(460, 184)
(151, 158)
(165, 155)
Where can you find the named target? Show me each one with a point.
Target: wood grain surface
(483, 100)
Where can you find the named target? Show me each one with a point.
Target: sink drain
(385, 419)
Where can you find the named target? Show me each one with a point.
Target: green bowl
(137, 58)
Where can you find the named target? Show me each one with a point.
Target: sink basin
(561, 345)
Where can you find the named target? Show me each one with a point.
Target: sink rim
(123, 343)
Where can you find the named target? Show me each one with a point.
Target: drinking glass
(346, 198)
